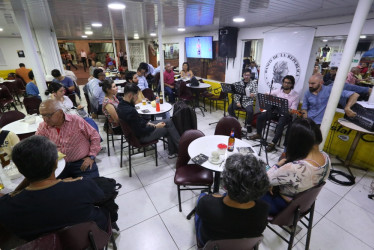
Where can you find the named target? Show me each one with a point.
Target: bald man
(73, 136)
(315, 100)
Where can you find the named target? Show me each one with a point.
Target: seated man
(286, 92)
(47, 204)
(31, 88)
(169, 82)
(146, 131)
(95, 92)
(111, 67)
(73, 136)
(316, 99)
(23, 72)
(330, 77)
(240, 213)
(245, 102)
(142, 81)
(66, 81)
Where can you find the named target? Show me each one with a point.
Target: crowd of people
(253, 190)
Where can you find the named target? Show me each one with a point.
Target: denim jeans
(72, 169)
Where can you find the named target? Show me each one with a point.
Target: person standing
(121, 57)
(69, 60)
(84, 59)
(169, 82)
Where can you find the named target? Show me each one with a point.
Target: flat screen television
(199, 47)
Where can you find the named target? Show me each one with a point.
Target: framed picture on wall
(20, 53)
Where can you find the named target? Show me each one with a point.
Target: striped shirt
(76, 138)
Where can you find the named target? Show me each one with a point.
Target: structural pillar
(129, 66)
(160, 47)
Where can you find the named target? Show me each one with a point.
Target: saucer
(215, 162)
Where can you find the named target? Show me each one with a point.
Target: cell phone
(137, 107)
(145, 111)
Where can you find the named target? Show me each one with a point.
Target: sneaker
(249, 129)
(270, 147)
(171, 156)
(255, 137)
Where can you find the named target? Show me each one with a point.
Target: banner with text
(285, 53)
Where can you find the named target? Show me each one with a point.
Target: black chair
(6, 99)
(32, 104)
(133, 142)
(225, 124)
(110, 133)
(299, 208)
(190, 174)
(230, 244)
(148, 93)
(10, 116)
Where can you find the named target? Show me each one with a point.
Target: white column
(359, 19)
(113, 41)
(126, 41)
(31, 52)
(160, 47)
(42, 25)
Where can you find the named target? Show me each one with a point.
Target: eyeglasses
(49, 115)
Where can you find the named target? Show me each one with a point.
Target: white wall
(9, 47)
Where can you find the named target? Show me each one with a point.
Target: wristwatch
(92, 157)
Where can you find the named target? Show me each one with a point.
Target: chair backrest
(89, 109)
(12, 87)
(185, 140)
(303, 201)
(129, 134)
(10, 116)
(225, 124)
(148, 93)
(20, 86)
(32, 104)
(18, 77)
(229, 244)
(157, 79)
(73, 100)
(5, 93)
(85, 235)
(183, 90)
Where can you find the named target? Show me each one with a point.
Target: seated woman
(31, 88)
(305, 165)
(57, 91)
(239, 214)
(47, 204)
(110, 105)
(186, 72)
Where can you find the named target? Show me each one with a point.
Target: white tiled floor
(149, 216)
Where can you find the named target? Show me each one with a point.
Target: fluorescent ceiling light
(153, 34)
(84, 36)
(96, 24)
(1, 29)
(238, 19)
(363, 36)
(136, 37)
(325, 40)
(116, 6)
(88, 32)
(181, 29)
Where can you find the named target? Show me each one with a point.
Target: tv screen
(199, 47)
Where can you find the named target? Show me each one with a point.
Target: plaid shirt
(245, 100)
(77, 139)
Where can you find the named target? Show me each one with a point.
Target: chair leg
(144, 151)
(121, 149)
(156, 154)
(107, 141)
(130, 161)
(113, 141)
(310, 225)
(293, 229)
(179, 198)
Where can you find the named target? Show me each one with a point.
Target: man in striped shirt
(73, 136)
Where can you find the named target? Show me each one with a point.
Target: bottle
(161, 98)
(231, 143)
(4, 158)
(157, 104)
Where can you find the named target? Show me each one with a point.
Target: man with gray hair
(73, 136)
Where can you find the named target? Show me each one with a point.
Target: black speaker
(247, 49)
(228, 39)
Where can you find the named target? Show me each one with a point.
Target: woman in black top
(239, 213)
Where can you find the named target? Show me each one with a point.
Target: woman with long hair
(186, 72)
(305, 165)
(110, 105)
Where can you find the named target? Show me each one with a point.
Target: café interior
(158, 32)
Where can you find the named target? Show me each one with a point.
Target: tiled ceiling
(71, 18)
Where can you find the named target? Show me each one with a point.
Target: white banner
(285, 53)
(335, 59)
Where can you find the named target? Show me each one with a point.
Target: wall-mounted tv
(199, 47)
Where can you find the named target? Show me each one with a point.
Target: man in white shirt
(254, 69)
(84, 59)
(286, 92)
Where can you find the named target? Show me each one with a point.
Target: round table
(165, 107)
(206, 145)
(119, 82)
(21, 127)
(359, 132)
(196, 91)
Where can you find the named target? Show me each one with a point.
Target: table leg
(355, 142)
(217, 179)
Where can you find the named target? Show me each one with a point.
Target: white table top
(10, 185)
(165, 107)
(119, 81)
(7, 81)
(21, 127)
(351, 125)
(207, 144)
(201, 86)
